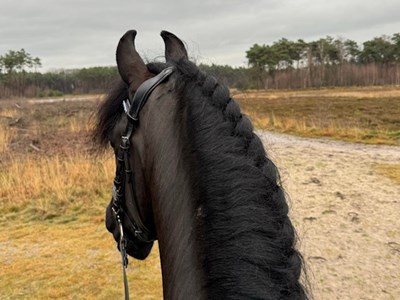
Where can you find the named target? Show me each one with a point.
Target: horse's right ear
(130, 65)
(174, 48)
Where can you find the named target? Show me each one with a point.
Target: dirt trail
(346, 214)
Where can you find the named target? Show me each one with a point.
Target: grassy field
(364, 115)
(53, 191)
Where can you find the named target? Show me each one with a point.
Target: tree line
(19, 77)
(326, 62)
(284, 64)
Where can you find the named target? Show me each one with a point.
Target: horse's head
(135, 143)
(192, 173)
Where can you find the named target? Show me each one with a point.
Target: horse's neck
(182, 276)
(173, 202)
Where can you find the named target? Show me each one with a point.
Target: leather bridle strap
(143, 93)
(124, 175)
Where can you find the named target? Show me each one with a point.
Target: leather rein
(124, 177)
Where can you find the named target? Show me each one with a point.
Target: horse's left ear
(174, 48)
(130, 65)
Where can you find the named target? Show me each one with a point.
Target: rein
(124, 177)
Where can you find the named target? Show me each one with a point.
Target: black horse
(202, 184)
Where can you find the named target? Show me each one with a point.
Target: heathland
(54, 189)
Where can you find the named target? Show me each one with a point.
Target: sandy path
(346, 214)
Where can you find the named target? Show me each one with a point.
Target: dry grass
(53, 240)
(320, 128)
(391, 171)
(70, 261)
(6, 133)
(9, 112)
(342, 92)
(355, 115)
(45, 188)
(6, 136)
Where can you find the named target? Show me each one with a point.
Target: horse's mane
(247, 240)
(109, 112)
(244, 227)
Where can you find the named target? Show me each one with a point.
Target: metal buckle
(124, 143)
(138, 233)
(127, 106)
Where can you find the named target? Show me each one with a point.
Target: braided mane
(244, 226)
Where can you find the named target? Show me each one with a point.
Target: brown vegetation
(53, 191)
(365, 115)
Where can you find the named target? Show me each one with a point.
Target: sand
(346, 214)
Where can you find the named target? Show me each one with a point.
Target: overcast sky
(83, 33)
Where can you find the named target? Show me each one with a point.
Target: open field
(344, 197)
(53, 193)
(366, 115)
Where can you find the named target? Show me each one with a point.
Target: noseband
(124, 177)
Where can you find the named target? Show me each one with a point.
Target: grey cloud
(85, 33)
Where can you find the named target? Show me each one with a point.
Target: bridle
(125, 178)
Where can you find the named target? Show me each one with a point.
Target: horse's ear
(174, 48)
(130, 65)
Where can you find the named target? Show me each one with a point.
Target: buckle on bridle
(124, 143)
(138, 233)
(126, 105)
(127, 108)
